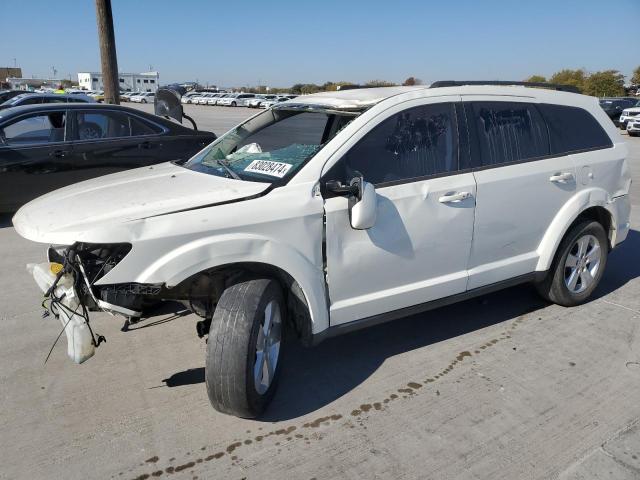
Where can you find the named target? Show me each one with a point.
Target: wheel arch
(593, 204)
(224, 276)
(232, 258)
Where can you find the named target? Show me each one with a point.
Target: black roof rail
(459, 83)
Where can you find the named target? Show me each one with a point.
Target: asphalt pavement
(500, 387)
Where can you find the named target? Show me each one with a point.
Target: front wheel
(578, 266)
(244, 348)
(234, 104)
(144, 101)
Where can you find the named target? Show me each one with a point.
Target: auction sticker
(268, 167)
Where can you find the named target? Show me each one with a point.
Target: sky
(279, 43)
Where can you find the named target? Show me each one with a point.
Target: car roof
(361, 98)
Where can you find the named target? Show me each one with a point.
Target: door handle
(561, 177)
(59, 153)
(454, 197)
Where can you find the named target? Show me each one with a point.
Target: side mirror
(363, 204)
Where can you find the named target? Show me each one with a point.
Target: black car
(45, 147)
(9, 94)
(38, 98)
(614, 106)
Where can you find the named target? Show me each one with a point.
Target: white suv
(339, 210)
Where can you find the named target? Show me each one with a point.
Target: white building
(129, 82)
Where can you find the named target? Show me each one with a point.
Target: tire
(632, 134)
(587, 245)
(235, 384)
(234, 104)
(143, 101)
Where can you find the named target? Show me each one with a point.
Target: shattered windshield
(271, 146)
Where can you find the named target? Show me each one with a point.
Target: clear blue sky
(283, 42)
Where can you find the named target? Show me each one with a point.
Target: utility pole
(108, 59)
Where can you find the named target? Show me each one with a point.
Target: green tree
(379, 83)
(68, 83)
(412, 81)
(577, 78)
(635, 79)
(536, 79)
(608, 83)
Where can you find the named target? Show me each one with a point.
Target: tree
(608, 83)
(68, 83)
(379, 83)
(635, 79)
(412, 81)
(576, 78)
(536, 79)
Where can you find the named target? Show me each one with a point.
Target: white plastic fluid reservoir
(79, 339)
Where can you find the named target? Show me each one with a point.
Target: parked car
(256, 102)
(204, 98)
(44, 147)
(126, 96)
(274, 101)
(213, 100)
(143, 97)
(39, 98)
(236, 100)
(633, 126)
(339, 210)
(188, 98)
(614, 107)
(629, 114)
(9, 94)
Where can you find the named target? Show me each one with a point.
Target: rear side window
(509, 132)
(573, 129)
(140, 127)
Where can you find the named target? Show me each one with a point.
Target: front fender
(219, 250)
(581, 201)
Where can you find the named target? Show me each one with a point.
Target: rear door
(521, 186)
(108, 141)
(35, 156)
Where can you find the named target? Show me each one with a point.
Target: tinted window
(44, 128)
(573, 129)
(99, 125)
(417, 142)
(29, 101)
(509, 132)
(140, 127)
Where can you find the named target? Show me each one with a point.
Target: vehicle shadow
(623, 265)
(5, 220)
(322, 374)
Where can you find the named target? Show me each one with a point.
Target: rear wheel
(244, 348)
(578, 266)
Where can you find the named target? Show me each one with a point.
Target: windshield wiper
(224, 164)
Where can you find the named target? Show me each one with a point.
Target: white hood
(68, 214)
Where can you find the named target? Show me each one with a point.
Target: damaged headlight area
(68, 282)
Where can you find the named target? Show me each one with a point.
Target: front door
(109, 141)
(35, 157)
(418, 249)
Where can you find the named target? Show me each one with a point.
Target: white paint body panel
(417, 251)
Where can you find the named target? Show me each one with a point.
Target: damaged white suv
(339, 210)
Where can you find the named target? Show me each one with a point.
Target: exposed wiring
(55, 305)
